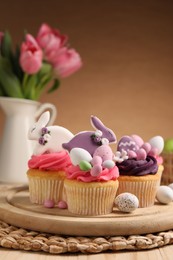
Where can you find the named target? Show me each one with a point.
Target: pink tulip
(31, 55)
(67, 62)
(50, 40)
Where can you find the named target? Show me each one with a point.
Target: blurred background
(127, 52)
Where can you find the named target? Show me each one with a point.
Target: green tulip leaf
(29, 86)
(55, 85)
(2, 92)
(16, 65)
(5, 64)
(10, 83)
(44, 81)
(45, 69)
(6, 46)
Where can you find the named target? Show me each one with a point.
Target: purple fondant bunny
(90, 140)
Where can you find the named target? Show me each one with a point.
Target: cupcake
(91, 182)
(48, 164)
(91, 195)
(46, 176)
(140, 167)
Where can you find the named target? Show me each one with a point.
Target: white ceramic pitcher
(15, 148)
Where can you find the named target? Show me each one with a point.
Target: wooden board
(16, 209)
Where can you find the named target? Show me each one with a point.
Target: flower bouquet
(39, 61)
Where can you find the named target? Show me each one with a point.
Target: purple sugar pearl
(41, 141)
(44, 130)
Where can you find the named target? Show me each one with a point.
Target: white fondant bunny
(50, 138)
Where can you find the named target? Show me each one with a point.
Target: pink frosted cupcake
(91, 182)
(46, 176)
(48, 164)
(91, 195)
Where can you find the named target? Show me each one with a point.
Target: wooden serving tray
(16, 209)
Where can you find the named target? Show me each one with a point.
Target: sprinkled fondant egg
(104, 151)
(126, 202)
(78, 154)
(164, 194)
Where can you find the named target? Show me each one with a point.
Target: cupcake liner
(90, 198)
(167, 176)
(143, 187)
(41, 189)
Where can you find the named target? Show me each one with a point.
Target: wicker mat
(17, 238)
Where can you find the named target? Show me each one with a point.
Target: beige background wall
(127, 51)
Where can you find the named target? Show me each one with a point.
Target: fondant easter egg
(96, 160)
(49, 203)
(170, 186)
(85, 166)
(126, 202)
(147, 147)
(127, 144)
(141, 154)
(96, 170)
(164, 194)
(104, 151)
(109, 164)
(158, 143)
(138, 140)
(62, 205)
(78, 154)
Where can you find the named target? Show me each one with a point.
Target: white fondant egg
(78, 154)
(126, 202)
(157, 142)
(170, 186)
(108, 164)
(164, 194)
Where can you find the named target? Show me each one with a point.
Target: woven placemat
(21, 239)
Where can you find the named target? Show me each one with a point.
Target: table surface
(162, 253)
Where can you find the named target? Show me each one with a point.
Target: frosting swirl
(133, 167)
(50, 161)
(159, 159)
(74, 173)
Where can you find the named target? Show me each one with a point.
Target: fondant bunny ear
(97, 124)
(44, 119)
(107, 133)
